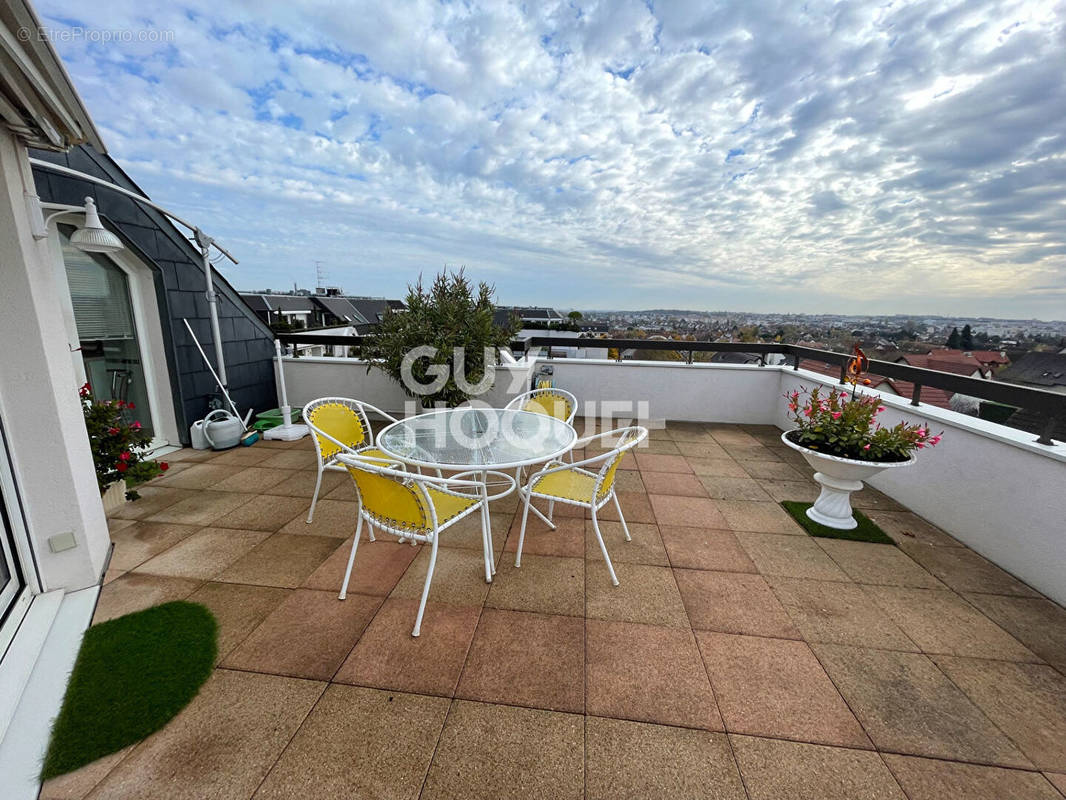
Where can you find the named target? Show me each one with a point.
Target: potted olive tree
(840, 437)
(445, 342)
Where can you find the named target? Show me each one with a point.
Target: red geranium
(122, 466)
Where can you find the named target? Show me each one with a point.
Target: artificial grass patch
(867, 530)
(133, 674)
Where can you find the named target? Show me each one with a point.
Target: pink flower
(125, 456)
(866, 447)
(880, 409)
(809, 412)
(837, 414)
(792, 406)
(136, 426)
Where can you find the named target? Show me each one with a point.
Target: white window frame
(22, 554)
(147, 323)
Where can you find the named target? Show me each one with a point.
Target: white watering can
(222, 429)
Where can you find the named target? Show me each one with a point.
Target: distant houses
(327, 308)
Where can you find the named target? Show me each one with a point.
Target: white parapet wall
(307, 379)
(991, 487)
(730, 393)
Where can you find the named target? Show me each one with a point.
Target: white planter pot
(838, 477)
(114, 497)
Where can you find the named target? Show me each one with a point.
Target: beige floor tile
(645, 593)
(1026, 701)
(638, 760)
(467, 532)
(928, 779)
(220, 746)
(135, 592)
(238, 609)
(1036, 622)
(965, 571)
(776, 687)
(779, 770)
(205, 554)
(264, 513)
(308, 636)
(243, 456)
(377, 569)
(77, 784)
(525, 659)
(301, 483)
(773, 471)
(202, 508)
(1058, 780)
(139, 541)
(644, 547)
(673, 483)
(729, 488)
(717, 467)
(660, 446)
(940, 621)
(649, 674)
(838, 613)
(334, 518)
(800, 491)
(458, 577)
(251, 479)
(909, 706)
(865, 562)
(789, 556)
(544, 584)
(635, 507)
(703, 450)
(199, 476)
(490, 752)
(153, 500)
(903, 526)
(870, 498)
(733, 602)
(282, 560)
(359, 742)
(389, 657)
(742, 515)
(293, 458)
(658, 462)
(705, 548)
(568, 538)
(698, 512)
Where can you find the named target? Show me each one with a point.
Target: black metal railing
(1050, 405)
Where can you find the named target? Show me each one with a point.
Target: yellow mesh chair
(557, 403)
(577, 485)
(339, 425)
(413, 507)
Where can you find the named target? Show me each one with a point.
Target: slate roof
(341, 308)
(1036, 369)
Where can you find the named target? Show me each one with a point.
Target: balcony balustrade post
(1049, 428)
(916, 395)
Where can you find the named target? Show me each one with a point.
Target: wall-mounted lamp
(91, 236)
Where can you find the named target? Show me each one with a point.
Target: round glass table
(478, 442)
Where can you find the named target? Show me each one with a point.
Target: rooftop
(738, 658)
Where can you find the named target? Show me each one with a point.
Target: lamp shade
(93, 237)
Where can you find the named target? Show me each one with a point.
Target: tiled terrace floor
(738, 658)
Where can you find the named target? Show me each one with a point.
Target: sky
(815, 157)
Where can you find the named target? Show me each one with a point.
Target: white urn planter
(114, 497)
(839, 477)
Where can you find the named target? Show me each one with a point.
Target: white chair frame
(517, 403)
(429, 535)
(331, 463)
(628, 439)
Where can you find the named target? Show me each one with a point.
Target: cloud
(807, 157)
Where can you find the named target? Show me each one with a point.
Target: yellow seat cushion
(568, 484)
(448, 506)
(373, 452)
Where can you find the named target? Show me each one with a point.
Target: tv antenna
(320, 275)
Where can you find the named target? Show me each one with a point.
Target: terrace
(738, 658)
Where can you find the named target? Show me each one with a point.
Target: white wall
(732, 393)
(39, 402)
(309, 378)
(991, 487)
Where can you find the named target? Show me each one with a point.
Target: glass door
(10, 581)
(107, 330)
